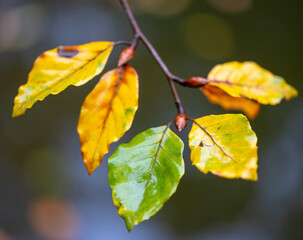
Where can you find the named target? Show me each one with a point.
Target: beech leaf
(218, 96)
(107, 113)
(249, 80)
(59, 68)
(224, 145)
(145, 173)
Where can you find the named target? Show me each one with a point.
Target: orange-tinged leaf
(251, 81)
(218, 96)
(59, 68)
(224, 145)
(107, 113)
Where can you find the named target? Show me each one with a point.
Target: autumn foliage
(145, 172)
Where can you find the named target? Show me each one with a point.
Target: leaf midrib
(216, 143)
(213, 139)
(122, 69)
(157, 156)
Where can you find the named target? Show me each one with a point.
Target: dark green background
(40, 151)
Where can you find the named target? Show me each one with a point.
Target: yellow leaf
(218, 96)
(249, 80)
(58, 68)
(107, 113)
(224, 145)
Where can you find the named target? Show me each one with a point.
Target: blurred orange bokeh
(54, 218)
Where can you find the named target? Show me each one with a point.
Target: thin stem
(135, 40)
(122, 43)
(176, 97)
(139, 35)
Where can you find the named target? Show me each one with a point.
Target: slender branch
(139, 35)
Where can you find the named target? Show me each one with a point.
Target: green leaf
(145, 173)
(224, 145)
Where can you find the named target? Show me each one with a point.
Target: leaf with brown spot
(107, 113)
(59, 68)
(67, 52)
(218, 96)
(224, 145)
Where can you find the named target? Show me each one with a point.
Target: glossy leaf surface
(218, 96)
(145, 173)
(59, 68)
(224, 145)
(251, 81)
(107, 113)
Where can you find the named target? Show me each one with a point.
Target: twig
(138, 35)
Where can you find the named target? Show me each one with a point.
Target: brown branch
(138, 35)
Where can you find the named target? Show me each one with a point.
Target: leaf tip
(17, 111)
(291, 92)
(89, 168)
(129, 226)
(250, 175)
(15, 114)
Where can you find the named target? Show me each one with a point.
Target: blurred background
(45, 191)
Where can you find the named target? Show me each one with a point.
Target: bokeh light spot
(163, 8)
(21, 27)
(208, 37)
(232, 6)
(53, 218)
(4, 235)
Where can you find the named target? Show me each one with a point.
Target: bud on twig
(126, 55)
(181, 121)
(196, 82)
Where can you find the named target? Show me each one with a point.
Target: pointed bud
(196, 82)
(126, 55)
(181, 121)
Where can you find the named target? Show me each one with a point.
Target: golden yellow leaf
(224, 145)
(58, 68)
(218, 96)
(107, 113)
(251, 81)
